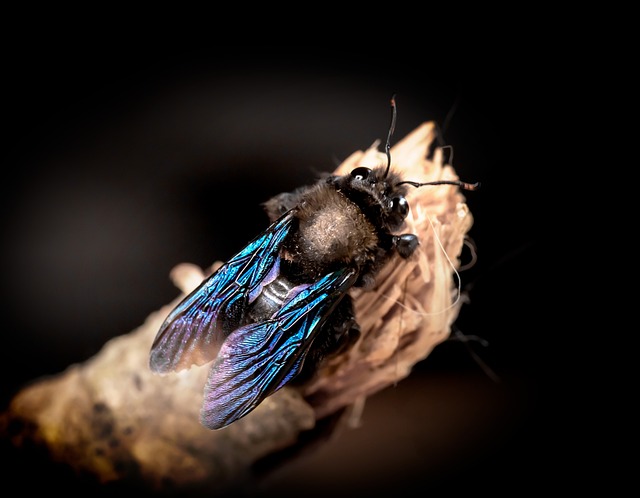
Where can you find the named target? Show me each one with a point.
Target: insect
(270, 314)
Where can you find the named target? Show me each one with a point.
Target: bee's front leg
(405, 244)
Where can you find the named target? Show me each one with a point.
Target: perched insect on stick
(277, 309)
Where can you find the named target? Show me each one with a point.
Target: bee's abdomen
(270, 300)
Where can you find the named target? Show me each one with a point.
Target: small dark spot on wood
(103, 421)
(137, 382)
(99, 407)
(104, 429)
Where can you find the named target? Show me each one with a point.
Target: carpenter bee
(272, 312)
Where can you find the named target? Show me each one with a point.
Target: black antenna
(464, 185)
(392, 127)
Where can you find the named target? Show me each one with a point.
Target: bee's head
(386, 193)
(378, 192)
(381, 193)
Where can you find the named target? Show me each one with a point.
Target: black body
(271, 313)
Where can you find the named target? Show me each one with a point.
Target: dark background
(120, 165)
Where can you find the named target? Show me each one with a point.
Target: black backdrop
(122, 164)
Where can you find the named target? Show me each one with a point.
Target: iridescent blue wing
(195, 329)
(258, 359)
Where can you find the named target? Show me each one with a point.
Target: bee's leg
(405, 244)
(341, 330)
(281, 203)
(337, 335)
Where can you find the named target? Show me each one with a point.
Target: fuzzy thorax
(332, 228)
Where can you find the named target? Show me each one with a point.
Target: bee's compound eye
(400, 205)
(361, 173)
